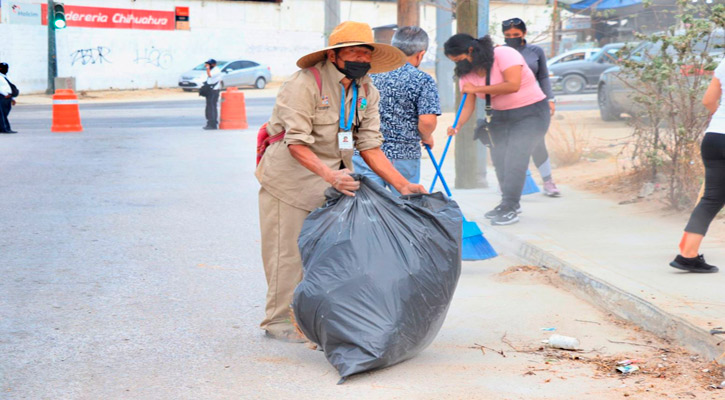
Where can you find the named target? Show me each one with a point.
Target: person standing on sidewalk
(324, 111)
(409, 109)
(713, 199)
(521, 112)
(214, 77)
(8, 92)
(514, 32)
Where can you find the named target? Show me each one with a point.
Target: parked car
(234, 73)
(573, 55)
(575, 76)
(614, 90)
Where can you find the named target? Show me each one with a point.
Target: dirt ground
(602, 146)
(662, 369)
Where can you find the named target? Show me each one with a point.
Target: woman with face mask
(521, 113)
(514, 32)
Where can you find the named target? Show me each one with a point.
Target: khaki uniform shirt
(313, 120)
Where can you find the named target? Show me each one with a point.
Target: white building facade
(127, 44)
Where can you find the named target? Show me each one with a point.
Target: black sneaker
(494, 213)
(694, 264)
(507, 216)
(209, 128)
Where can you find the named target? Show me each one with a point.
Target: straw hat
(350, 33)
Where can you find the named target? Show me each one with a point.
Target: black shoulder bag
(483, 127)
(14, 92)
(205, 90)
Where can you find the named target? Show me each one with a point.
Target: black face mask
(514, 42)
(354, 69)
(463, 67)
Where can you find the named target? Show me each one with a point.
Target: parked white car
(234, 73)
(573, 55)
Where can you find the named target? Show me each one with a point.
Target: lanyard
(347, 127)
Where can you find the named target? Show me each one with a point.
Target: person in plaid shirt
(409, 109)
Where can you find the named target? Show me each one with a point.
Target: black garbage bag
(379, 275)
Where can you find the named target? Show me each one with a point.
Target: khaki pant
(281, 225)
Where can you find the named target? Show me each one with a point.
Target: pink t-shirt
(505, 57)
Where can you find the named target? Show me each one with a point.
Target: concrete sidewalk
(615, 255)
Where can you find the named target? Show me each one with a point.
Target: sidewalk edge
(612, 299)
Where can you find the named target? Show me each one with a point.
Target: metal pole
(444, 66)
(332, 16)
(481, 150)
(408, 13)
(466, 154)
(52, 60)
(554, 23)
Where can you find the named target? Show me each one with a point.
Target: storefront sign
(22, 13)
(117, 18)
(182, 18)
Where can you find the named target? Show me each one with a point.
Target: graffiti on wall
(95, 55)
(154, 57)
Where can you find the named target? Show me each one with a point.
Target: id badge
(344, 140)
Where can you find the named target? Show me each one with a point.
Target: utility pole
(466, 152)
(332, 16)
(554, 23)
(52, 59)
(481, 150)
(444, 66)
(408, 13)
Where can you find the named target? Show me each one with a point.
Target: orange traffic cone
(234, 112)
(66, 115)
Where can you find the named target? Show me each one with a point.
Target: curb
(537, 251)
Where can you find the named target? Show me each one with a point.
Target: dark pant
(713, 156)
(5, 106)
(540, 154)
(212, 114)
(515, 134)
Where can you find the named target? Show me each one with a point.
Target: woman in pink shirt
(520, 117)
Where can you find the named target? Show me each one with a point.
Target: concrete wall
(273, 34)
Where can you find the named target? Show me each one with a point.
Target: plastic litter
(548, 329)
(379, 275)
(628, 369)
(563, 342)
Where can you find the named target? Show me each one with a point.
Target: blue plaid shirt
(405, 93)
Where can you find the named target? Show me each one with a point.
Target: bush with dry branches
(668, 74)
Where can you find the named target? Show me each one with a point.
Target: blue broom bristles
(474, 246)
(530, 186)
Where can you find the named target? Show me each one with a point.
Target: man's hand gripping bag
(379, 275)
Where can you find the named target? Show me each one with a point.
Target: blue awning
(600, 5)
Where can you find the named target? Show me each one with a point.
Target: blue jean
(410, 169)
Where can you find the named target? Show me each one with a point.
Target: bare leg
(690, 244)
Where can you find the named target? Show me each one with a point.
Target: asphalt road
(188, 113)
(155, 114)
(130, 265)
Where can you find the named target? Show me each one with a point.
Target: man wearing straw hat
(325, 111)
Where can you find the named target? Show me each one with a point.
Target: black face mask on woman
(463, 67)
(354, 70)
(514, 42)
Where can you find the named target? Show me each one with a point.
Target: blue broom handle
(438, 172)
(443, 157)
(460, 109)
(448, 143)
